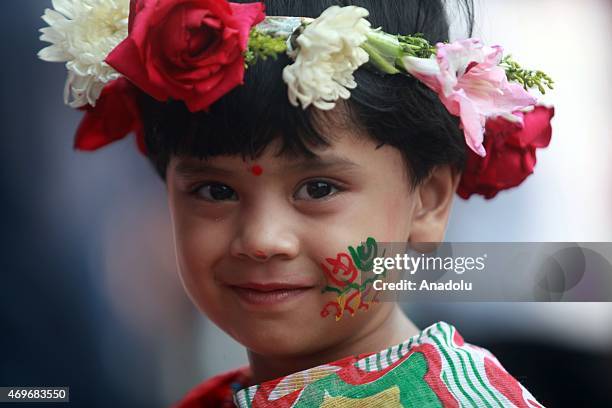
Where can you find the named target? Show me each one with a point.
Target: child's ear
(434, 198)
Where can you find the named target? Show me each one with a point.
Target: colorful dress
(435, 368)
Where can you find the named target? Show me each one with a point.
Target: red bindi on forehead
(257, 170)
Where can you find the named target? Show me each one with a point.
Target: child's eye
(216, 192)
(316, 190)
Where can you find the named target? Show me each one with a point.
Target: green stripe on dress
(445, 379)
(463, 367)
(388, 357)
(248, 397)
(477, 372)
(489, 390)
(453, 369)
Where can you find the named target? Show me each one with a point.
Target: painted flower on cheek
(352, 294)
(470, 83)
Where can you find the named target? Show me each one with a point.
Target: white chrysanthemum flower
(328, 55)
(82, 34)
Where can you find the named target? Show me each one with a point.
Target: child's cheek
(198, 246)
(394, 217)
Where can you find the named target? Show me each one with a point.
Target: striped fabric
(435, 368)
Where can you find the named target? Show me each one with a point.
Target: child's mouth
(268, 294)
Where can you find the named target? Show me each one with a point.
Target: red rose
(511, 154)
(189, 50)
(115, 115)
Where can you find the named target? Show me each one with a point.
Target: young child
(285, 164)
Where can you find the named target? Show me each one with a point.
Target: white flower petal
(53, 54)
(50, 35)
(322, 105)
(65, 7)
(423, 66)
(329, 53)
(511, 117)
(82, 34)
(53, 18)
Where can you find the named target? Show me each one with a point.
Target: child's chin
(277, 339)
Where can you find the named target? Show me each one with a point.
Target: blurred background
(89, 293)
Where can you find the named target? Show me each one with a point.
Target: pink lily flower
(470, 83)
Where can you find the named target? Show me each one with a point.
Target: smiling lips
(268, 294)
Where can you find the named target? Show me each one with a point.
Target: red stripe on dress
(505, 383)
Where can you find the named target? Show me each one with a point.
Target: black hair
(395, 110)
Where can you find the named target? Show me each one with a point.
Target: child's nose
(263, 234)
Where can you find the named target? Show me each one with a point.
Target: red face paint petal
(341, 277)
(257, 170)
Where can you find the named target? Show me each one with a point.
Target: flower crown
(196, 51)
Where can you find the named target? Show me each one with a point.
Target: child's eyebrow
(323, 163)
(187, 169)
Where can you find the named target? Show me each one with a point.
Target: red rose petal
(189, 50)
(536, 130)
(511, 155)
(247, 14)
(115, 115)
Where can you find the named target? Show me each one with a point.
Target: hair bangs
(244, 122)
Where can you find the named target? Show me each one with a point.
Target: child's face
(251, 237)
